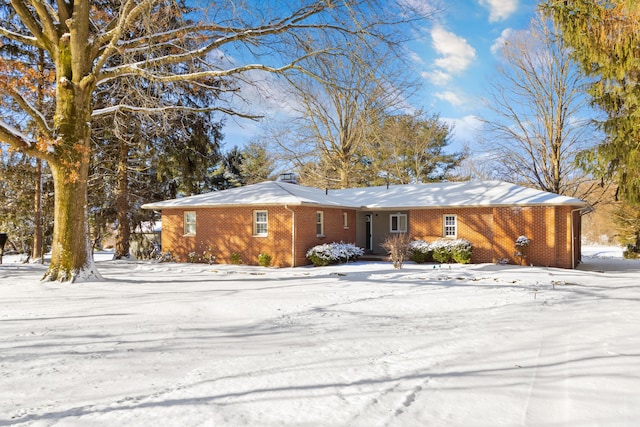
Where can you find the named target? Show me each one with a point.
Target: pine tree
(410, 148)
(605, 36)
(257, 164)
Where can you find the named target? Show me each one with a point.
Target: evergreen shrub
(264, 260)
(420, 251)
(333, 253)
(446, 250)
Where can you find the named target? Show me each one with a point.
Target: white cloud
(499, 9)
(437, 77)
(415, 58)
(500, 41)
(465, 129)
(451, 97)
(456, 55)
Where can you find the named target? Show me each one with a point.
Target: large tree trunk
(71, 257)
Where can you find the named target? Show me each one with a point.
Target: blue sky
(456, 57)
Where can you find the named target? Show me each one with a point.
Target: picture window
(398, 223)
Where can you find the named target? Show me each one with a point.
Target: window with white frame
(320, 223)
(260, 223)
(190, 223)
(450, 228)
(345, 220)
(398, 223)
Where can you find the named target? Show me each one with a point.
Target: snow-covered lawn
(359, 344)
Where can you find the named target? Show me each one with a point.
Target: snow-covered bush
(522, 243)
(333, 253)
(236, 258)
(419, 251)
(446, 250)
(398, 247)
(206, 256)
(461, 251)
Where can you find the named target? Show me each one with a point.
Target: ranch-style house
(285, 220)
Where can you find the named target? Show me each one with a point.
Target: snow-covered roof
(264, 193)
(454, 194)
(441, 194)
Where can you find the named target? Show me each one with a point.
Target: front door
(368, 233)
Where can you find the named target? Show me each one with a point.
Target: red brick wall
(475, 225)
(334, 230)
(493, 232)
(228, 230)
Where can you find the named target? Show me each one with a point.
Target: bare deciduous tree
(332, 116)
(542, 116)
(91, 43)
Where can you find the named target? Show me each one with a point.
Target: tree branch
(129, 13)
(30, 41)
(164, 109)
(134, 69)
(30, 22)
(14, 137)
(31, 111)
(47, 17)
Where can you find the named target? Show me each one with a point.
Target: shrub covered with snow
(419, 251)
(446, 250)
(522, 243)
(461, 251)
(333, 253)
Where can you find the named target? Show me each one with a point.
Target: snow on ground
(350, 345)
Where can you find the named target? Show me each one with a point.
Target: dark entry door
(368, 234)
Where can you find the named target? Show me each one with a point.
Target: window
(189, 223)
(320, 223)
(398, 223)
(450, 226)
(260, 223)
(345, 220)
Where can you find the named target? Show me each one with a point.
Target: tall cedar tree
(605, 37)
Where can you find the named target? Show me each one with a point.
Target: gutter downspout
(583, 211)
(293, 235)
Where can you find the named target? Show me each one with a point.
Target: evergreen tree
(605, 36)
(410, 148)
(257, 164)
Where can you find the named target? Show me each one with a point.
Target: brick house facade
(227, 230)
(285, 220)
